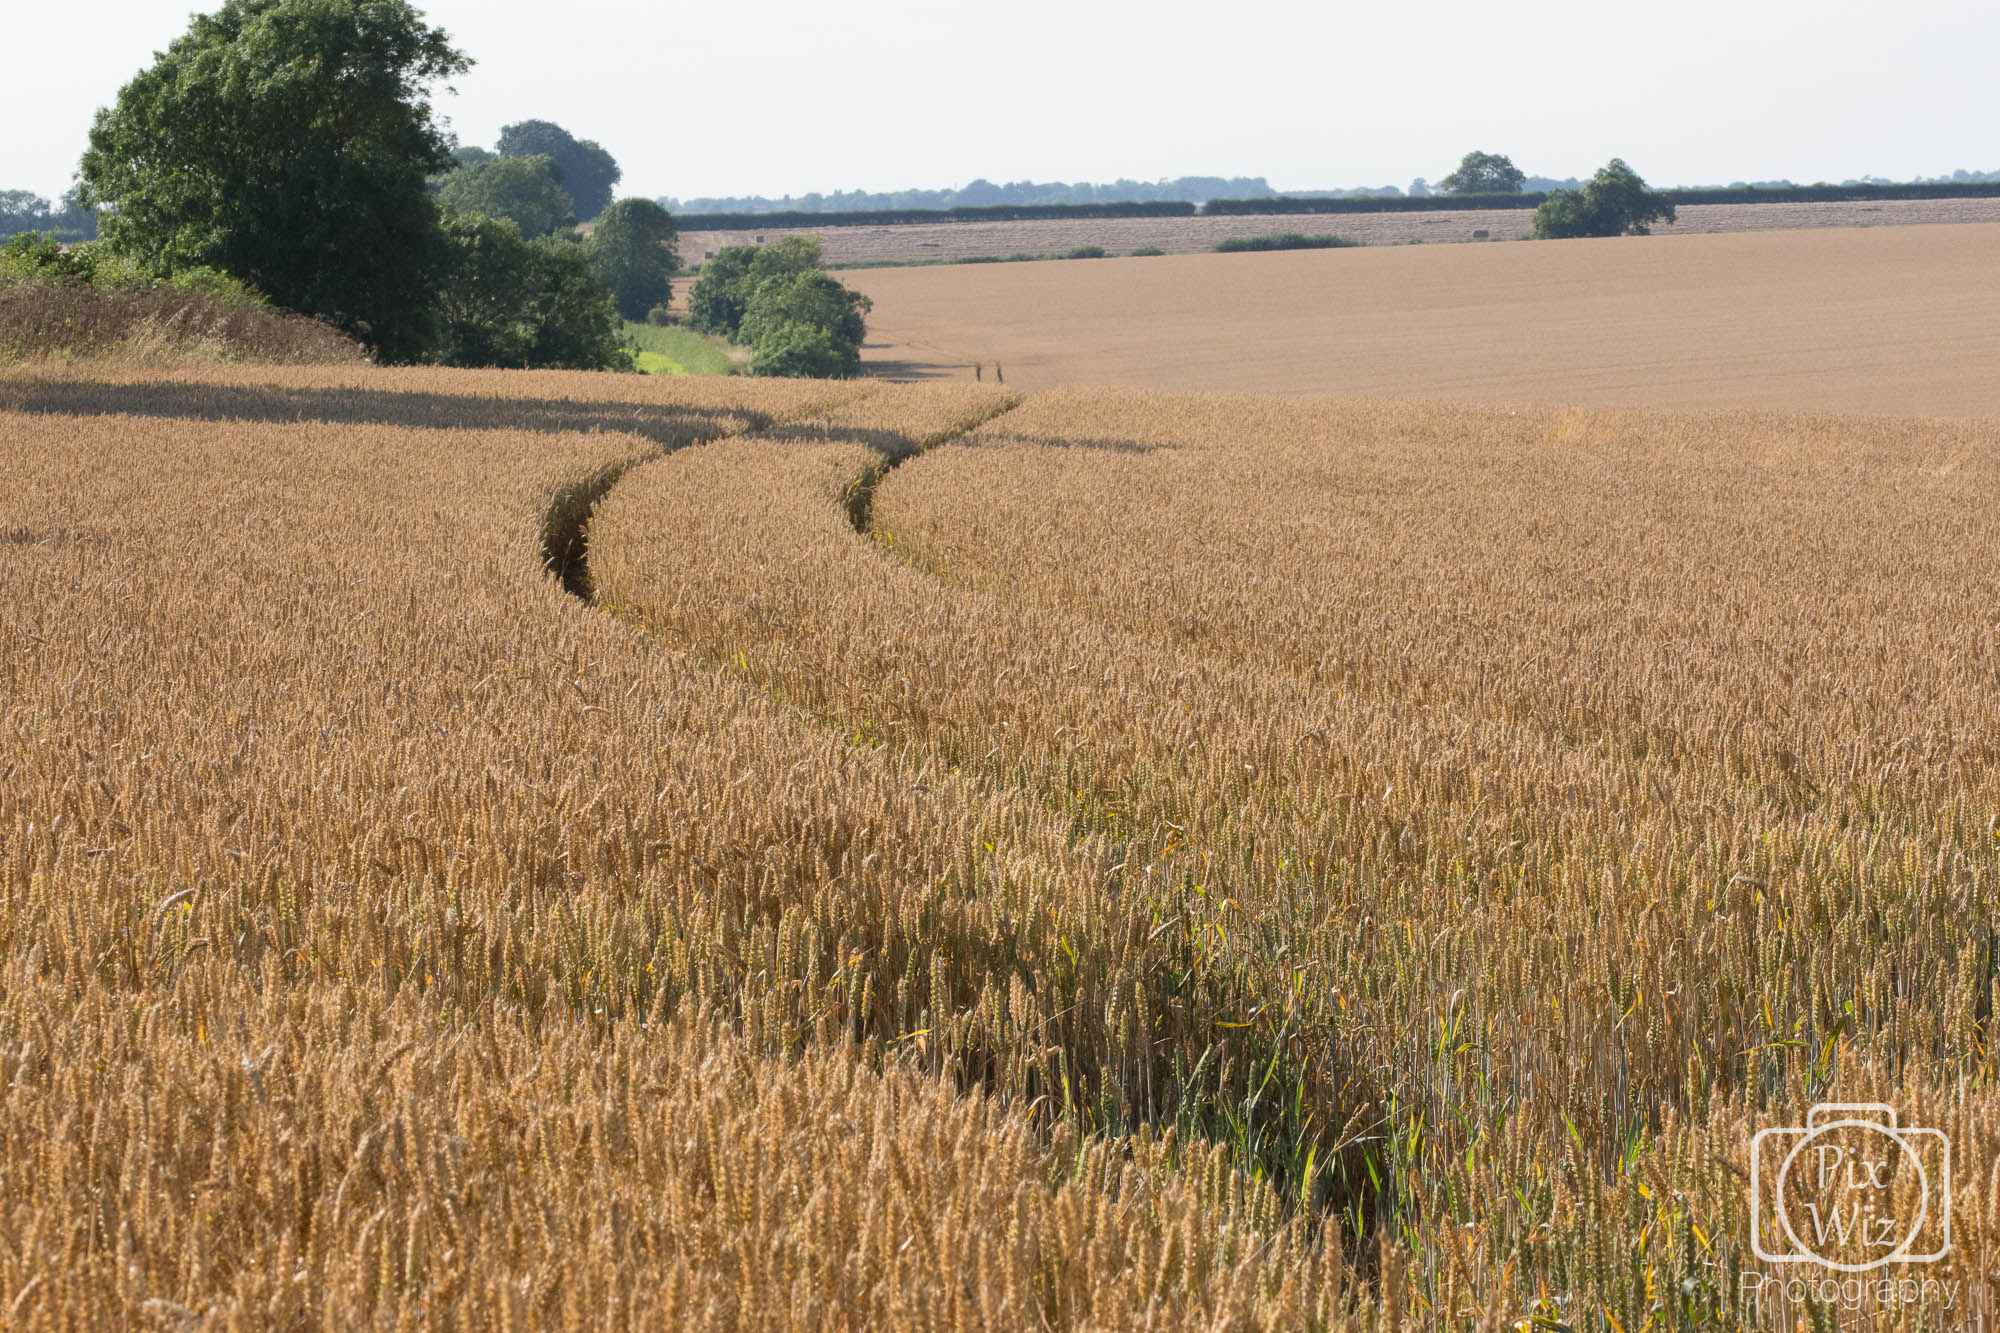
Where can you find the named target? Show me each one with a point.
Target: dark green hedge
(1815, 194)
(1372, 203)
(887, 217)
(1796, 194)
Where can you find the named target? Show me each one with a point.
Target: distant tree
(1420, 188)
(1614, 202)
(1484, 173)
(470, 155)
(585, 169)
(632, 251)
(524, 190)
(23, 211)
(510, 301)
(287, 143)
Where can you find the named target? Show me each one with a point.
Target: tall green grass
(673, 350)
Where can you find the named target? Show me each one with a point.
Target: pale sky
(785, 96)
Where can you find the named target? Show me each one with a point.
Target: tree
(516, 302)
(719, 297)
(1484, 173)
(715, 302)
(585, 169)
(1614, 202)
(632, 251)
(813, 298)
(524, 190)
(287, 143)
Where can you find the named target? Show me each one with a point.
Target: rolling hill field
(493, 849)
(1889, 320)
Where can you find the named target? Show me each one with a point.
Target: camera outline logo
(1824, 1150)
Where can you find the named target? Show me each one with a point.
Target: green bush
(1147, 251)
(515, 302)
(36, 257)
(803, 351)
(1614, 202)
(1286, 240)
(813, 298)
(1086, 252)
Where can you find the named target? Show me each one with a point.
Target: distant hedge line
(884, 217)
(1437, 203)
(1372, 203)
(1794, 194)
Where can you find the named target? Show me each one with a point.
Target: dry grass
(1196, 861)
(159, 326)
(1893, 320)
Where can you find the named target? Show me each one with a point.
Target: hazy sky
(785, 96)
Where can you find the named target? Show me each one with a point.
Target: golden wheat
(1184, 861)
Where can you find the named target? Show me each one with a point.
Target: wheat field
(1885, 320)
(502, 850)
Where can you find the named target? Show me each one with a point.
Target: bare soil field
(969, 240)
(1883, 320)
(496, 850)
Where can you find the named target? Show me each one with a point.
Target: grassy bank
(679, 351)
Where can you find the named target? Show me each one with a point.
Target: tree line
(289, 147)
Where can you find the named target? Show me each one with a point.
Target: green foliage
(33, 257)
(524, 303)
(678, 351)
(721, 295)
(1147, 252)
(287, 143)
(586, 171)
(470, 155)
(1284, 240)
(715, 302)
(1086, 252)
(779, 300)
(813, 298)
(24, 211)
(524, 190)
(1614, 202)
(1484, 173)
(804, 351)
(632, 250)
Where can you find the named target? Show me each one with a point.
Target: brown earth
(967, 240)
(1888, 320)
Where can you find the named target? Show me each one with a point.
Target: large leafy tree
(586, 170)
(1484, 173)
(1614, 202)
(287, 143)
(524, 190)
(632, 250)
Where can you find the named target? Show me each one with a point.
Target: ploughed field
(1894, 320)
(908, 242)
(491, 850)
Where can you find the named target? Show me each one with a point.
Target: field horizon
(1885, 320)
